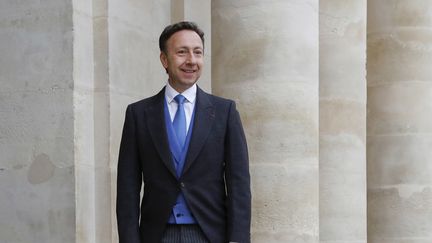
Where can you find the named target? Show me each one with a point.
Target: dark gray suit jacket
(215, 179)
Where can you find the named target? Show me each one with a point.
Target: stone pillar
(91, 122)
(135, 71)
(198, 11)
(399, 121)
(104, 207)
(37, 179)
(265, 57)
(343, 121)
(83, 118)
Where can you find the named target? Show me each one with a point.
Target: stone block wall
(297, 69)
(37, 179)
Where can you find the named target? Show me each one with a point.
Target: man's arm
(128, 183)
(237, 180)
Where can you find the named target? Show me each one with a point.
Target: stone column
(265, 57)
(135, 71)
(83, 118)
(104, 207)
(399, 121)
(343, 121)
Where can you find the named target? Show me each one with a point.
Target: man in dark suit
(189, 151)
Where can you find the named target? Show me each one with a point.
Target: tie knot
(180, 99)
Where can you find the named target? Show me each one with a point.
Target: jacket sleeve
(129, 180)
(237, 180)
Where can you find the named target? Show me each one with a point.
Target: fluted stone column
(265, 57)
(399, 121)
(343, 121)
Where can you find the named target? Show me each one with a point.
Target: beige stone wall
(69, 68)
(268, 63)
(399, 121)
(37, 181)
(342, 121)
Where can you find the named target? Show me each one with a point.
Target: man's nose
(191, 58)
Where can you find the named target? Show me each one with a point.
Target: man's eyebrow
(188, 47)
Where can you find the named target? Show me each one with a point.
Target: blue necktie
(179, 122)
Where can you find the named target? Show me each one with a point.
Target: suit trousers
(183, 233)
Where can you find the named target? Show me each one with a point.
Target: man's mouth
(188, 71)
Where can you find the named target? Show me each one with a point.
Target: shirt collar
(189, 94)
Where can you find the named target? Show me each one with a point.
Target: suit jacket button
(182, 184)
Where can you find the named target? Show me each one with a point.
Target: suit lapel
(203, 121)
(156, 124)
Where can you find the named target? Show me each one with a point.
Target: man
(189, 150)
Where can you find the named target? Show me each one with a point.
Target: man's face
(184, 59)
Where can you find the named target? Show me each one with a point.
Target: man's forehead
(186, 38)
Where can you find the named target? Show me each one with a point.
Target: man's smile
(188, 71)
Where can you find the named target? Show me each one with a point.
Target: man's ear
(164, 59)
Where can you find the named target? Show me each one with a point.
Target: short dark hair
(171, 29)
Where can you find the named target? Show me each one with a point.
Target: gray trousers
(183, 233)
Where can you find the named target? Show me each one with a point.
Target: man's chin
(189, 82)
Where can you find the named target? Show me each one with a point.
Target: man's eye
(198, 52)
(181, 52)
